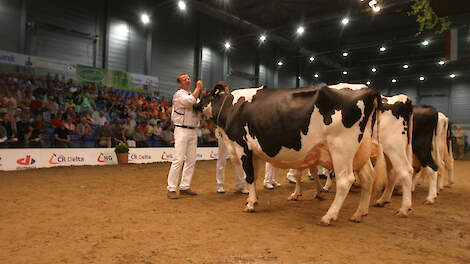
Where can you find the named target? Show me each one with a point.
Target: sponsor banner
(117, 79)
(20, 159)
(18, 59)
(144, 82)
(12, 58)
(52, 64)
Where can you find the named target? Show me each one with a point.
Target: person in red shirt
(56, 121)
(39, 124)
(142, 127)
(36, 106)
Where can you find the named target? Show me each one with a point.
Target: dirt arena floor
(120, 214)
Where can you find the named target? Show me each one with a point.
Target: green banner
(117, 79)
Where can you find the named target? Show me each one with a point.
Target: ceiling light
(406, 66)
(262, 38)
(376, 8)
(345, 21)
(368, 82)
(345, 73)
(394, 80)
(145, 19)
(300, 30)
(442, 62)
(425, 43)
(316, 75)
(121, 30)
(452, 76)
(311, 58)
(182, 5)
(382, 49)
(280, 63)
(345, 54)
(227, 45)
(421, 78)
(374, 69)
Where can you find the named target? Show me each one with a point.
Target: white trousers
(185, 154)
(220, 168)
(269, 173)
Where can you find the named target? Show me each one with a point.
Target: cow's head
(211, 102)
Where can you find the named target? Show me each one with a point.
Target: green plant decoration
(121, 148)
(427, 18)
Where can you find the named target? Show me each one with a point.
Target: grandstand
(34, 107)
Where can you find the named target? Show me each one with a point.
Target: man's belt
(185, 127)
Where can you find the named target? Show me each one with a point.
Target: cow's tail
(380, 168)
(449, 140)
(436, 153)
(450, 160)
(409, 148)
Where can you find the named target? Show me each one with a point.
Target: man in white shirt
(185, 120)
(100, 119)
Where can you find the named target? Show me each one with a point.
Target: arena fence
(20, 159)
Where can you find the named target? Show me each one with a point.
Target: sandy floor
(120, 214)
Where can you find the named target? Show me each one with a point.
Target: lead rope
(218, 115)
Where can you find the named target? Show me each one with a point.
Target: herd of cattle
(347, 128)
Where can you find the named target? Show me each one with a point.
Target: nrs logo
(214, 155)
(104, 158)
(167, 156)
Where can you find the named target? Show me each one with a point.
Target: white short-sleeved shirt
(182, 113)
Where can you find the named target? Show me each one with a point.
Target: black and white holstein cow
(426, 158)
(394, 140)
(396, 128)
(298, 128)
(440, 160)
(446, 174)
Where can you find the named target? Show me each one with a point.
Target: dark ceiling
(326, 38)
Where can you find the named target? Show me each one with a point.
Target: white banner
(20, 159)
(141, 80)
(12, 58)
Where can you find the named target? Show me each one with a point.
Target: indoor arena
(230, 131)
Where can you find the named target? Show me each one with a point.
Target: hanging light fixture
(375, 6)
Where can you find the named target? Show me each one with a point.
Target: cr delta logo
(60, 159)
(104, 158)
(167, 156)
(134, 156)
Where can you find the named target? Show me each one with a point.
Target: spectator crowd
(49, 111)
